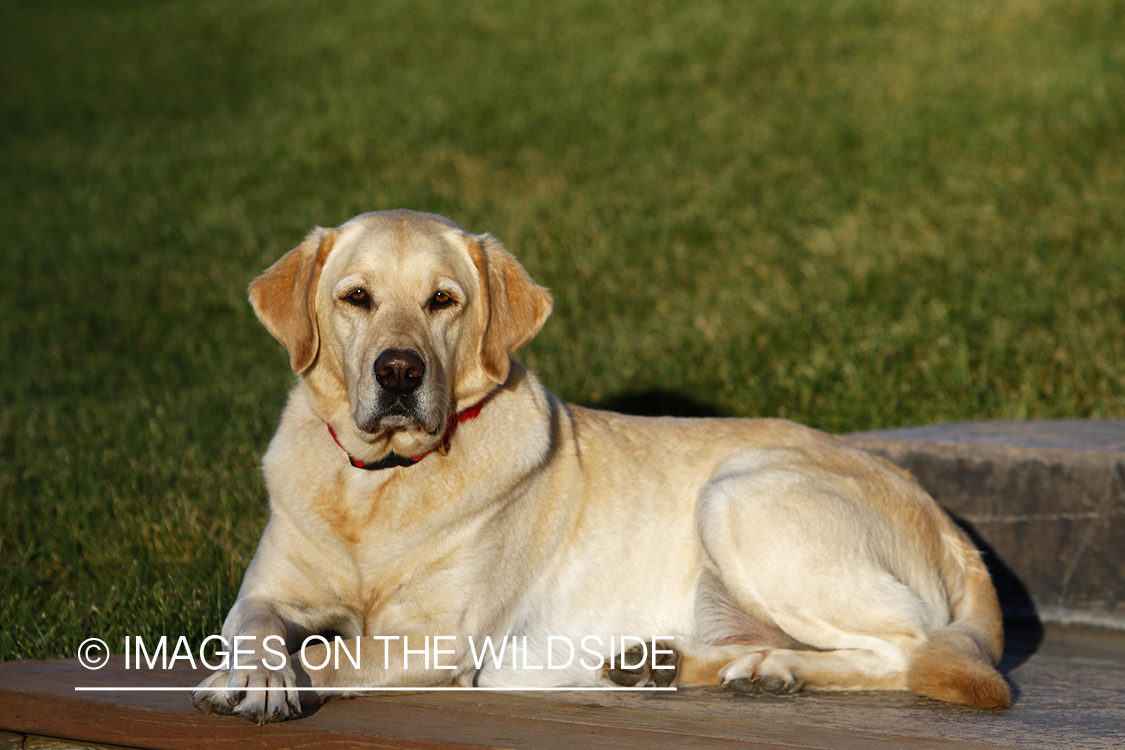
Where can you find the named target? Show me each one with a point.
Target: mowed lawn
(856, 214)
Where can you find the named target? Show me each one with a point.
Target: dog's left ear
(515, 307)
(284, 297)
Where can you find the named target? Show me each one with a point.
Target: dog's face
(395, 320)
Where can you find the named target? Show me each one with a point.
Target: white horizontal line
(101, 689)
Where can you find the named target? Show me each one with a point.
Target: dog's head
(395, 320)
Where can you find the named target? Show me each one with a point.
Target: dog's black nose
(399, 370)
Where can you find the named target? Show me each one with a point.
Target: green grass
(855, 214)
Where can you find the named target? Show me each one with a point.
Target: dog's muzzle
(397, 402)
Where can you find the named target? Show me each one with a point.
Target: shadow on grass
(658, 403)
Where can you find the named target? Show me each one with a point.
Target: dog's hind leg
(798, 552)
(854, 561)
(753, 654)
(786, 671)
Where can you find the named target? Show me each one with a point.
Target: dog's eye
(358, 297)
(441, 300)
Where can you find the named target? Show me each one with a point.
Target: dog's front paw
(210, 696)
(260, 695)
(635, 670)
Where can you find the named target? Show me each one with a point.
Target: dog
(429, 500)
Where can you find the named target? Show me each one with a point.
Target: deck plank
(38, 698)
(1069, 688)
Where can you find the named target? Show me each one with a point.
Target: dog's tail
(956, 663)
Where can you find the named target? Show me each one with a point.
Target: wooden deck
(1070, 694)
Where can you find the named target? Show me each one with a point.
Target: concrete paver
(1045, 499)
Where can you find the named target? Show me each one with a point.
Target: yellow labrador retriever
(438, 518)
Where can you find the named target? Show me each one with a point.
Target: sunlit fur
(770, 556)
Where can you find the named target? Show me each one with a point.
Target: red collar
(394, 459)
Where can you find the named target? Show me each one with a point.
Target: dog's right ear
(284, 297)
